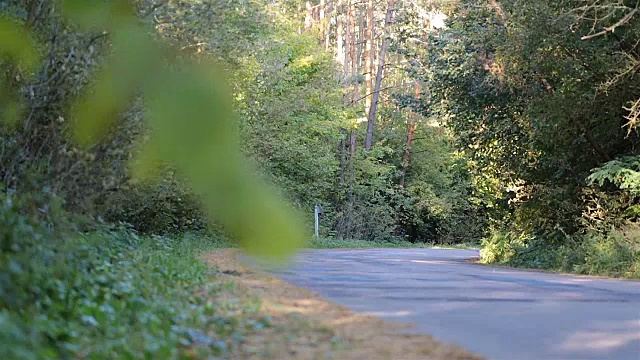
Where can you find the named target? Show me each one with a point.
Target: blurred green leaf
(133, 61)
(97, 14)
(17, 44)
(193, 123)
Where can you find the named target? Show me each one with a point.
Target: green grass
(107, 295)
(329, 243)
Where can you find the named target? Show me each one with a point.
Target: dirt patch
(306, 326)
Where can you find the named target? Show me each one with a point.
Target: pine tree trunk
(340, 33)
(361, 44)
(341, 219)
(321, 15)
(347, 43)
(327, 26)
(342, 148)
(379, 74)
(410, 137)
(368, 57)
(308, 20)
(354, 55)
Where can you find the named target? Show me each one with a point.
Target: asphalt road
(499, 313)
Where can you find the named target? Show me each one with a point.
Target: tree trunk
(327, 25)
(368, 57)
(308, 20)
(361, 35)
(352, 180)
(342, 148)
(353, 53)
(347, 42)
(410, 137)
(341, 219)
(340, 33)
(321, 14)
(379, 74)
(407, 151)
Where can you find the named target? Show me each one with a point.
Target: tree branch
(613, 27)
(374, 92)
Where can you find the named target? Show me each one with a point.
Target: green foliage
(164, 206)
(291, 111)
(613, 199)
(623, 173)
(188, 110)
(16, 44)
(332, 243)
(441, 204)
(501, 248)
(533, 108)
(103, 294)
(612, 253)
(13, 44)
(615, 253)
(128, 73)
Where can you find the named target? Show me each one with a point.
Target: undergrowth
(331, 243)
(615, 253)
(105, 294)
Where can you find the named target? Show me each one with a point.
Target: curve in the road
(500, 313)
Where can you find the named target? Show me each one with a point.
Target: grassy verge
(329, 243)
(115, 295)
(613, 254)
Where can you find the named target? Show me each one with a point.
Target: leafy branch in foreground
(189, 112)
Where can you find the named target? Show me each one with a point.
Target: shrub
(163, 207)
(613, 253)
(502, 247)
(616, 253)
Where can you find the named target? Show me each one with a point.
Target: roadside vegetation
(332, 243)
(543, 99)
(107, 292)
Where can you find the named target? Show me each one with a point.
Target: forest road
(500, 313)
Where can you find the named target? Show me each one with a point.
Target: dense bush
(73, 93)
(164, 206)
(615, 253)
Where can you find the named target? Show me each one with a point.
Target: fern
(623, 173)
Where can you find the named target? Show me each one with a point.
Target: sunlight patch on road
(433, 262)
(619, 335)
(389, 313)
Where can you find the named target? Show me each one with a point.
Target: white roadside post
(317, 210)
